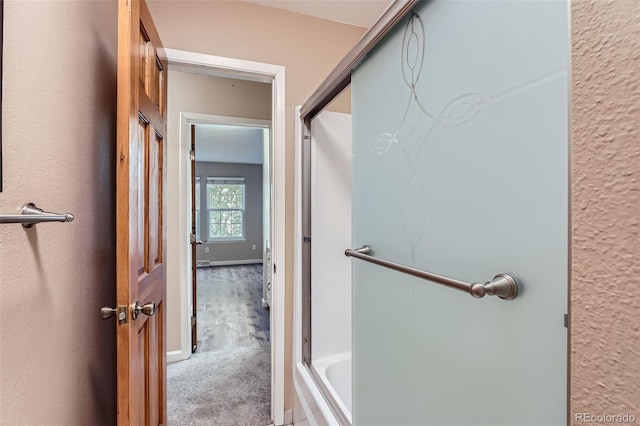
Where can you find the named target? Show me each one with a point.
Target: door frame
(187, 120)
(219, 66)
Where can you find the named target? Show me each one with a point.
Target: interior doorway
(251, 72)
(230, 219)
(230, 239)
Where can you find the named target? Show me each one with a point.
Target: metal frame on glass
(333, 85)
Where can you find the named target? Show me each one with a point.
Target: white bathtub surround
(335, 372)
(312, 409)
(331, 274)
(330, 234)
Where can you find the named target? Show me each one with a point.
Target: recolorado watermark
(605, 418)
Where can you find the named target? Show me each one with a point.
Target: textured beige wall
(196, 93)
(215, 95)
(605, 284)
(57, 357)
(308, 47)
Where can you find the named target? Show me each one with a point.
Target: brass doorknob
(149, 309)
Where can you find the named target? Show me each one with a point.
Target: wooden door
(141, 276)
(194, 244)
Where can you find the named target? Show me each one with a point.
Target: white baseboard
(175, 356)
(227, 262)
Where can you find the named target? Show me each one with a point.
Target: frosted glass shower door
(460, 168)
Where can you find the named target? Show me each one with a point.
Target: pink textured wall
(605, 284)
(57, 356)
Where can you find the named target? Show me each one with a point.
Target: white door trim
(274, 74)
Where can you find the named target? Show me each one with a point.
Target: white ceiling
(362, 13)
(229, 144)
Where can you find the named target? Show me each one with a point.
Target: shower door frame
(329, 89)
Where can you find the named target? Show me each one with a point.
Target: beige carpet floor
(227, 382)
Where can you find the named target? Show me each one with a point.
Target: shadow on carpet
(227, 387)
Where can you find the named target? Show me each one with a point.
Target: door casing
(180, 60)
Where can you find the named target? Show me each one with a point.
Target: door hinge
(192, 238)
(307, 239)
(274, 268)
(192, 155)
(566, 320)
(193, 321)
(307, 137)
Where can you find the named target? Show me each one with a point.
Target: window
(197, 207)
(225, 206)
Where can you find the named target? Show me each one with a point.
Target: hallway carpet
(227, 387)
(228, 380)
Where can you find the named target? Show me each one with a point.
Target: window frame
(226, 180)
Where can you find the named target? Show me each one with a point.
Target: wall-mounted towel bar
(32, 215)
(503, 285)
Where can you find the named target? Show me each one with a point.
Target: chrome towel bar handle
(503, 285)
(32, 215)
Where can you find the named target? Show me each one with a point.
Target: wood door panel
(148, 284)
(138, 156)
(143, 52)
(150, 373)
(141, 228)
(154, 69)
(153, 214)
(142, 371)
(158, 183)
(150, 110)
(153, 61)
(162, 87)
(155, 160)
(150, 376)
(155, 395)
